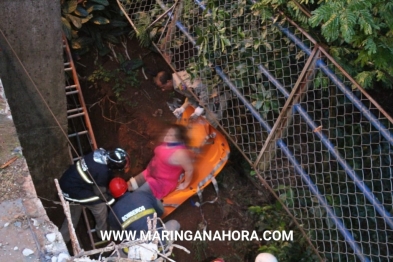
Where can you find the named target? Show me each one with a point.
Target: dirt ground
(133, 121)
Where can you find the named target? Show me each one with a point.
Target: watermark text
(187, 235)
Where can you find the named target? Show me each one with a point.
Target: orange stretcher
(211, 151)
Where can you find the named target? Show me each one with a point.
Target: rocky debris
(51, 237)
(158, 112)
(27, 252)
(24, 224)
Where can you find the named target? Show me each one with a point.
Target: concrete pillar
(33, 30)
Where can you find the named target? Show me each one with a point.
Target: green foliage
(129, 65)
(364, 28)
(274, 217)
(100, 74)
(142, 21)
(345, 20)
(101, 2)
(199, 250)
(146, 32)
(119, 78)
(222, 36)
(92, 23)
(320, 81)
(121, 83)
(215, 31)
(264, 100)
(365, 78)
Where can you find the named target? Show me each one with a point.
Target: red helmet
(118, 186)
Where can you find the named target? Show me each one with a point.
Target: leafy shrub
(119, 78)
(359, 34)
(92, 23)
(274, 217)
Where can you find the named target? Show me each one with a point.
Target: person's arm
(197, 112)
(135, 182)
(102, 179)
(197, 104)
(183, 159)
(103, 194)
(178, 111)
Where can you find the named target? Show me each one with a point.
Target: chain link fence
(313, 135)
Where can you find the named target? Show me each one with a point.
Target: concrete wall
(33, 29)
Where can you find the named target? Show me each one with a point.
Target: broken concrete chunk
(51, 237)
(27, 252)
(63, 257)
(36, 223)
(17, 150)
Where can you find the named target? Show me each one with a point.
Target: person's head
(265, 257)
(164, 77)
(118, 186)
(176, 134)
(164, 80)
(118, 159)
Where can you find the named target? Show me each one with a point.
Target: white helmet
(265, 257)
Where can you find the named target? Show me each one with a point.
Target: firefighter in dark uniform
(86, 183)
(131, 210)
